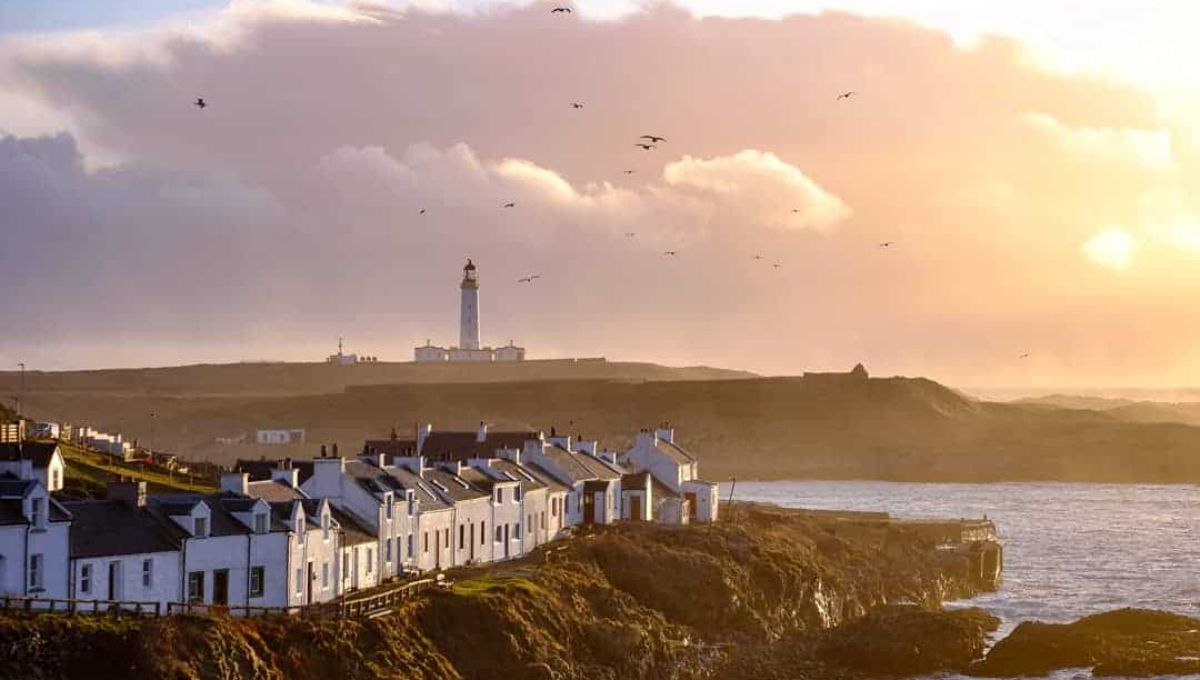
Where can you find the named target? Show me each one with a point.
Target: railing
(374, 603)
(52, 605)
(357, 606)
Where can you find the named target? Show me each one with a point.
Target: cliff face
(624, 602)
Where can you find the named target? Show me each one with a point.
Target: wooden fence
(52, 605)
(357, 605)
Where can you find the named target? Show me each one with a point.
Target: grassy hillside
(895, 428)
(313, 378)
(88, 473)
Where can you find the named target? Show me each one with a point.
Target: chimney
(587, 447)
(127, 491)
(287, 475)
(481, 433)
(665, 433)
(237, 482)
(510, 454)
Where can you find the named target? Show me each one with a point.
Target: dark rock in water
(1126, 642)
(908, 640)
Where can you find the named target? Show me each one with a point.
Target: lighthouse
(469, 347)
(468, 330)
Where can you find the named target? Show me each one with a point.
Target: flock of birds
(645, 143)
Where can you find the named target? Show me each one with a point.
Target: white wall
(51, 543)
(506, 514)
(536, 511)
(706, 500)
(362, 572)
(164, 578)
(430, 525)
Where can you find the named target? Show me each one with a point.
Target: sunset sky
(1034, 165)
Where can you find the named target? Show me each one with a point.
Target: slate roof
(273, 491)
(39, 452)
(353, 530)
(546, 478)
(110, 527)
(581, 466)
(527, 484)
(422, 490)
(258, 470)
(451, 446)
(675, 452)
(448, 486)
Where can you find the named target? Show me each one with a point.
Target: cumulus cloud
(1111, 247)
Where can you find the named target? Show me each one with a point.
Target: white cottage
(34, 540)
(676, 472)
(42, 461)
(121, 551)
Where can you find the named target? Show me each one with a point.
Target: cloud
(1150, 149)
(288, 211)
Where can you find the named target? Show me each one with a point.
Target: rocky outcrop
(750, 599)
(1126, 642)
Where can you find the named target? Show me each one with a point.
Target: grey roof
(451, 486)
(111, 527)
(12, 486)
(274, 491)
(548, 479)
(450, 446)
(675, 452)
(422, 490)
(581, 466)
(354, 532)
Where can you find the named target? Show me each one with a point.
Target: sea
(1069, 549)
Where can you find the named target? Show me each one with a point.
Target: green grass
(497, 586)
(92, 470)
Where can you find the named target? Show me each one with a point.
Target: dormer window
(260, 523)
(200, 529)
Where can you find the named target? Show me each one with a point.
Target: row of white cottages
(291, 533)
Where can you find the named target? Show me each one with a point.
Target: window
(389, 551)
(499, 535)
(85, 578)
(462, 536)
(446, 537)
(543, 519)
(324, 576)
(370, 560)
(346, 565)
(201, 527)
(325, 528)
(411, 504)
(300, 530)
(196, 586)
(425, 542)
(554, 507)
(516, 494)
(517, 531)
(482, 532)
(299, 581)
(260, 523)
(35, 571)
(38, 514)
(387, 506)
(499, 495)
(147, 573)
(410, 546)
(257, 578)
(56, 479)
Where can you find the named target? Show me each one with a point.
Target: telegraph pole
(732, 486)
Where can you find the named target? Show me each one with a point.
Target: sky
(1032, 167)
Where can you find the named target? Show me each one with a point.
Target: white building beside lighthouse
(468, 348)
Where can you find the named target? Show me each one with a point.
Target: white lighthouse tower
(468, 334)
(469, 348)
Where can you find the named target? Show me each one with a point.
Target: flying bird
(644, 147)
(776, 265)
(758, 257)
(422, 211)
(200, 103)
(1025, 355)
(509, 204)
(653, 138)
(556, 10)
(629, 172)
(576, 105)
(669, 253)
(630, 234)
(846, 95)
(885, 244)
(529, 279)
